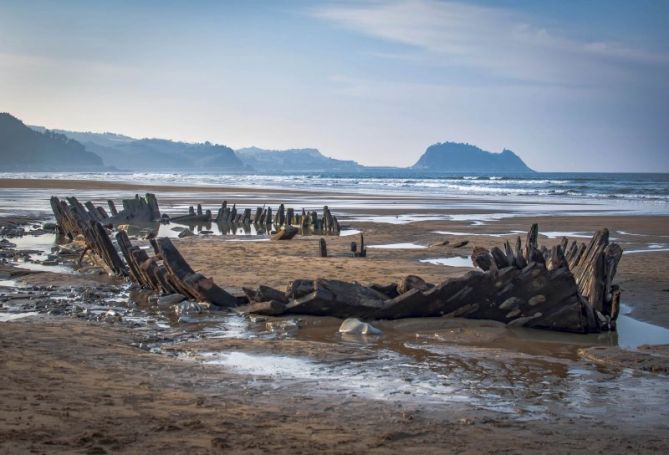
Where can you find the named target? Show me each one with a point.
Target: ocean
(586, 193)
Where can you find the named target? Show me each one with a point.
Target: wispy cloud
(504, 43)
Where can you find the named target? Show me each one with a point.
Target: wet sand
(73, 385)
(99, 395)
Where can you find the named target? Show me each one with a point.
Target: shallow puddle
(398, 246)
(37, 267)
(633, 333)
(560, 234)
(478, 234)
(43, 243)
(455, 261)
(647, 250)
(8, 317)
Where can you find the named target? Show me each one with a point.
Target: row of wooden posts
(227, 215)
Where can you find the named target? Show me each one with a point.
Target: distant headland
(34, 148)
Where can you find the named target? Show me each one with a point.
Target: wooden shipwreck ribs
(283, 220)
(568, 287)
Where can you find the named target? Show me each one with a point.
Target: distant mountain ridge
(36, 148)
(458, 157)
(127, 153)
(22, 148)
(298, 160)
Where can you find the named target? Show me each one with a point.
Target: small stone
(354, 326)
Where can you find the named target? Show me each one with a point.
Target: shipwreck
(567, 287)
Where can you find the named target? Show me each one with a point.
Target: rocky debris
(353, 326)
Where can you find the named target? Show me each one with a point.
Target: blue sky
(567, 85)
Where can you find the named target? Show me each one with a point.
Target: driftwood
(323, 247)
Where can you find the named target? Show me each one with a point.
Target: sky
(568, 85)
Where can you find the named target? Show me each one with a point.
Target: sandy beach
(133, 384)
